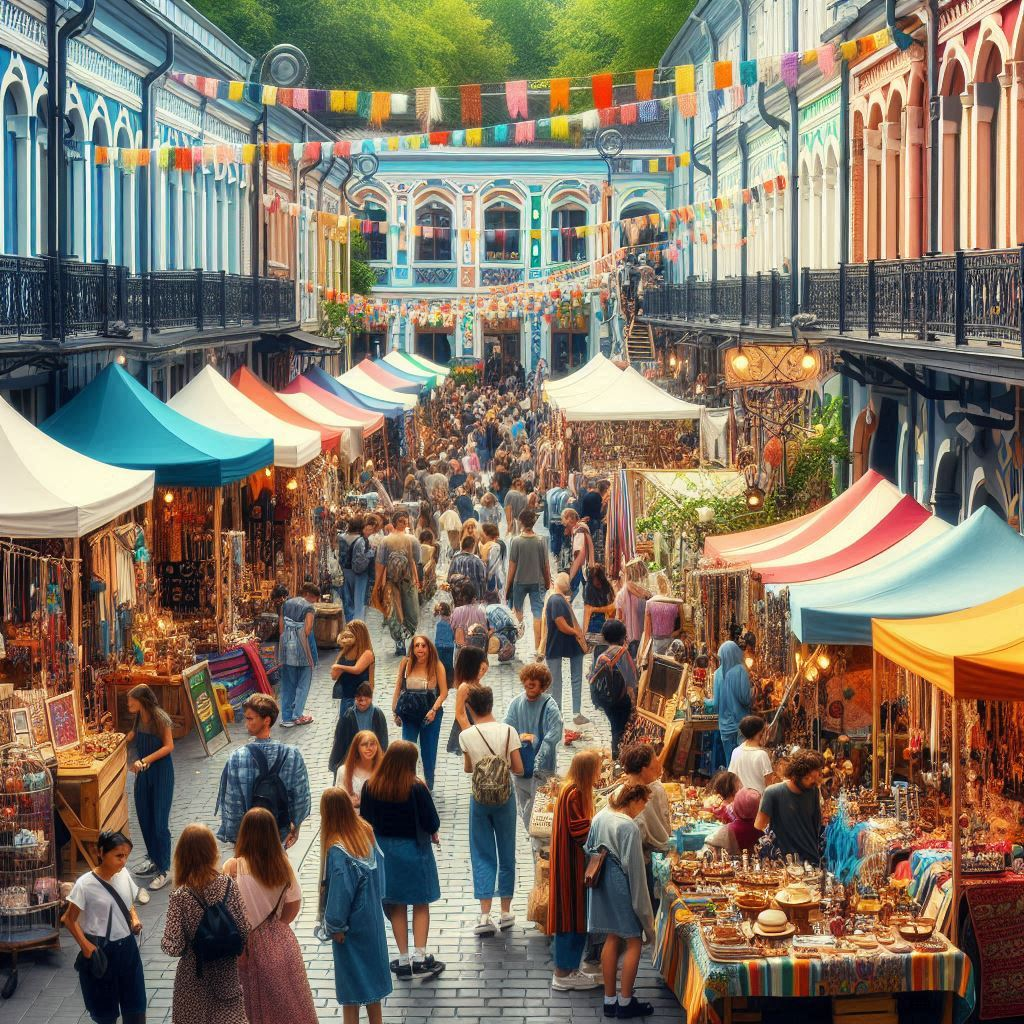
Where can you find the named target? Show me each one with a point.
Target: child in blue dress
(353, 915)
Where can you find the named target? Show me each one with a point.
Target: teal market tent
(402, 361)
(428, 364)
(975, 562)
(116, 420)
(421, 378)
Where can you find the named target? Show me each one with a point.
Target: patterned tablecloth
(698, 981)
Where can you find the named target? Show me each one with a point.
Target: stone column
(872, 192)
(891, 189)
(913, 184)
(1004, 231)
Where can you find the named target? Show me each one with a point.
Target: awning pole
(876, 725)
(954, 760)
(218, 557)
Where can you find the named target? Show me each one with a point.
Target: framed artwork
(46, 752)
(34, 702)
(21, 726)
(62, 715)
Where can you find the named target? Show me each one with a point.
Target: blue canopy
(977, 561)
(117, 421)
(322, 379)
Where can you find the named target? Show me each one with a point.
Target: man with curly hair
(792, 809)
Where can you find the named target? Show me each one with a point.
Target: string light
(824, 661)
(293, 484)
(168, 497)
(809, 361)
(741, 361)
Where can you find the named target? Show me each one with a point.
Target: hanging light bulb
(168, 497)
(809, 361)
(749, 662)
(811, 675)
(824, 661)
(268, 472)
(741, 361)
(293, 484)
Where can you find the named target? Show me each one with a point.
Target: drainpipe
(794, 169)
(934, 110)
(144, 193)
(56, 162)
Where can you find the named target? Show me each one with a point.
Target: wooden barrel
(329, 620)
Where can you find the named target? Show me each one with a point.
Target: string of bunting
(376, 107)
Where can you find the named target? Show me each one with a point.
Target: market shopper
(418, 703)
(535, 716)
(792, 809)
(740, 834)
(529, 573)
(732, 696)
(363, 759)
(567, 901)
(278, 768)
(354, 664)
(563, 639)
(356, 559)
(619, 906)
(578, 553)
(642, 767)
(297, 655)
(101, 918)
(396, 587)
(201, 885)
(598, 605)
(613, 681)
(154, 781)
(471, 666)
(467, 563)
(353, 873)
(399, 807)
(750, 761)
(272, 972)
(491, 754)
(364, 716)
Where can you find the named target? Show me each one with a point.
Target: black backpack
(217, 935)
(268, 791)
(607, 683)
(344, 552)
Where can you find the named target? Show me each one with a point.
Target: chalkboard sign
(199, 686)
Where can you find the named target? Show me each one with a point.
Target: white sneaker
(595, 970)
(143, 897)
(147, 867)
(574, 981)
(506, 921)
(581, 719)
(159, 882)
(287, 725)
(485, 926)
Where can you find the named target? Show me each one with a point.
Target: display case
(30, 893)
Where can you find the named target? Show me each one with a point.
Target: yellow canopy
(974, 654)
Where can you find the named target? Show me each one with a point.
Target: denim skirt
(410, 871)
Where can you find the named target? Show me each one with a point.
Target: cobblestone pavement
(505, 979)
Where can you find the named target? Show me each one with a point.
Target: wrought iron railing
(97, 295)
(964, 296)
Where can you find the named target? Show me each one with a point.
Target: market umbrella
(387, 378)
(371, 421)
(359, 381)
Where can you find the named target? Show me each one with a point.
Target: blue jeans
(618, 718)
(568, 950)
(295, 682)
(574, 585)
(576, 680)
(492, 848)
(427, 735)
(556, 535)
(730, 740)
(533, 591)
(345, 704)
(353, 595)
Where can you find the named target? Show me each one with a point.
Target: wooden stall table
(93, 800)
(709, 990)
(169, 693)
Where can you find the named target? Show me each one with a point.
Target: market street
(505, 978)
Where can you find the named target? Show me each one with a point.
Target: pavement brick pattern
(506, 978)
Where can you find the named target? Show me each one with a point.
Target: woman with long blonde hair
(352, 913)
(364, 757)
(200, 884)
(567, 905)
(470, 528)
(354, 664)
(405, 821)
(274, 980)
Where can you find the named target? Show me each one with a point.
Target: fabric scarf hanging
(501, 133)
(526, 132)
(399, 104)
(849, 50)
(686, 81)
(560, 127)
(428, 107)
(608, 116)
(559, 94)
(748, 72)
(474, 136)
(628, 113)
(472, 105)
(603, 89)
(790, 69)
(364, 104)
(644, 84)
(590, 120)
(300, 99)
(649, 110)
(687, 104)
(723, 74)
(380, 108)
(768, 70)
(827, 60)
(517, 99)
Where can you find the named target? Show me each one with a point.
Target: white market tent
(689, 484)
(604, 378)
(633, 397)
(360, 381)
(351, 430)
(401, 362)
(51, 491)
(211, 400)
(598, 364)
(429, 364)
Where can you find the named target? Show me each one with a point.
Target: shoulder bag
(595, 868)
(413, 705)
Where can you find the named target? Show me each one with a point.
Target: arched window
(377, 239)
(124, 205)
(434, 244)
(13, 175)
(75, 224)
(100, 196)
(501, 232)
(636, 232)
(566, 245)
(42, 223)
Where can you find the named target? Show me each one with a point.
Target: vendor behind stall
(792, 809)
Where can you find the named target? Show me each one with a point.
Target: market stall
(390, 379)
(365, 386)
(407, 370)
(973, 662)
(423, 363)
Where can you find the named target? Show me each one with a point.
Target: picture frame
(62, 718)
(46, 752)
(34, 701)
(21, 725)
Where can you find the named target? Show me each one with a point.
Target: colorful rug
(996, 912)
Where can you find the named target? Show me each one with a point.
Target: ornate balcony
(967, 296)
(96, 295)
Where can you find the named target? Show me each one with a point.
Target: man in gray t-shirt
(529, 572)
(515, 502)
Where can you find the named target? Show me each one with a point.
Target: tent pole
(218, 557)
(76, 615)
(954, 760)
(876, 724)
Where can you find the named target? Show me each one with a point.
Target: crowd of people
(462, 550)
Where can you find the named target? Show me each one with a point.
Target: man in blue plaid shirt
(465, 563)
(242, 769)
